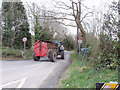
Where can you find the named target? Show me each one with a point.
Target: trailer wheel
(52, 56)
(62, 54)
(36, 58)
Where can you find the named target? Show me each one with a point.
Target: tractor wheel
(53, 56)
(62, 54)
(36, 58)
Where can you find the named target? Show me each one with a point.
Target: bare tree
(46, 19)
(73, 13)
(63, 13)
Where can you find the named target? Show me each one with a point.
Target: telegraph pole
(77, 38)
(77, 33)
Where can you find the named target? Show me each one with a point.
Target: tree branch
(73, 9)
(66, 5)
(55, 18)
(68, 8)
(85, 16)
(79, 12)
(67, 24)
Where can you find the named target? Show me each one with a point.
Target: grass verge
(86, 76)
(15, 54)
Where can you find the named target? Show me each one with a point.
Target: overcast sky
(89, 3)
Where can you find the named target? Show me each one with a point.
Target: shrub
(6, 52)
(16, 53)
(103, 52)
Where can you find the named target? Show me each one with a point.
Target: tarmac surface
(33, 74)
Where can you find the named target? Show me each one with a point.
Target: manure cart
(48, 49)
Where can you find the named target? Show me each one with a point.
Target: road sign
(24, 39)
(79, 41)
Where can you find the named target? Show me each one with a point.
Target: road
(33, 74)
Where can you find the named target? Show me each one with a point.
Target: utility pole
(77, 33)
(77, 38)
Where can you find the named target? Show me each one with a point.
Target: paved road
(33, 74)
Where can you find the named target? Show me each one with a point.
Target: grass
(11, 53)
(86, 76)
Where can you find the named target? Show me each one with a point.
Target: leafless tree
(46, 19)
(71, 12)
(63, 13)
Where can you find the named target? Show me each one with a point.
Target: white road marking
(21, 82)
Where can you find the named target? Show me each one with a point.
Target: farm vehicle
(50, 49)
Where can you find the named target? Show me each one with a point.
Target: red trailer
(45, 49)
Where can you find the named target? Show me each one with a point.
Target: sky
(97, 4)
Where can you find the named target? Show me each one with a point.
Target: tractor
(50, 49)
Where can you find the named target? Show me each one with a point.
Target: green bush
(10, 52)
(103, 52)
(68, 43)
(29, 53)
(107, 54)
(16, 53)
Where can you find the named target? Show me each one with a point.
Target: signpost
(84, 50)
(79, 42)
(24, 40)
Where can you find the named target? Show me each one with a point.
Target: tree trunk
(82, 31)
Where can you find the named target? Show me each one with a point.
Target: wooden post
(77, 38)
(77, 33)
